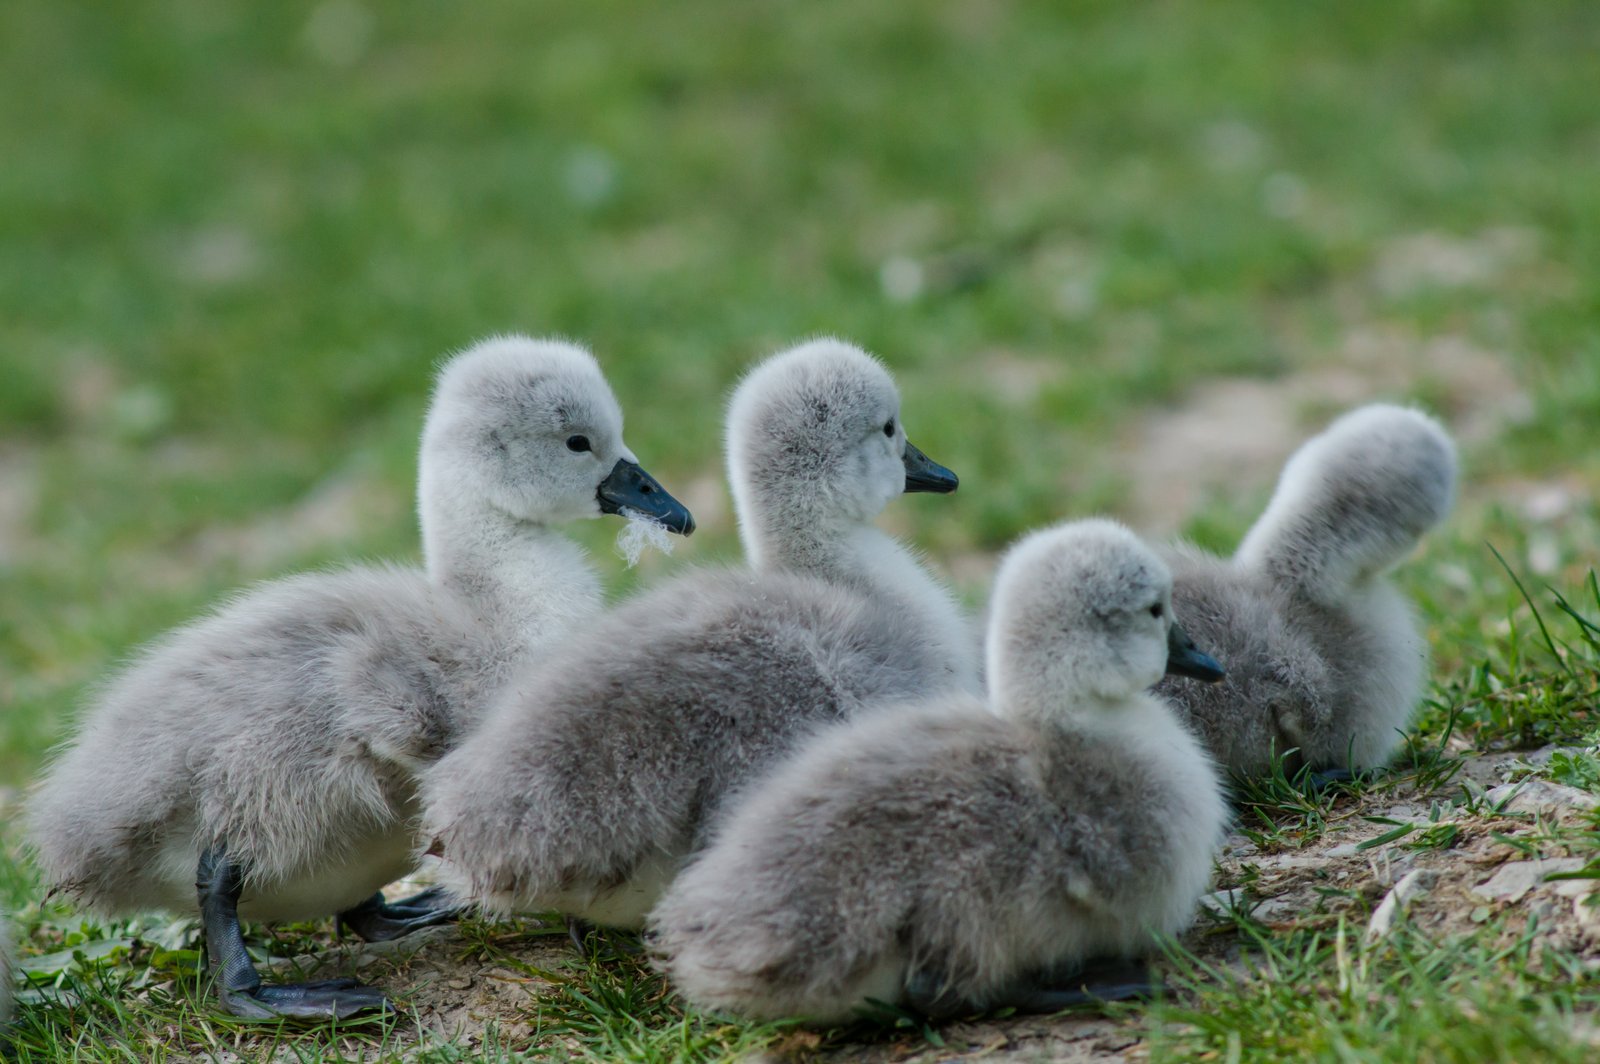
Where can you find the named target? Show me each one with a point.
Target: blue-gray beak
(1186, 659)
(629, 487)
(924, 474)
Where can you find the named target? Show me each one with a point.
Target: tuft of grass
(1334, 996)
(621, 1010)
(1526, 691)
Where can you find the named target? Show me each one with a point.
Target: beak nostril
(645, 489)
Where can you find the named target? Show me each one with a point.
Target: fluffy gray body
(288, 727)
(624, 750)
(1069, 817)
(289, 724)
(595, 772)
(1323, 653)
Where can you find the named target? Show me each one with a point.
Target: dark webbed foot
(1095, 984)
(587, 939)
(580, 931)
(219, 882)
(339, 999)
(929, 992)
(1321, 779)
(377, 920)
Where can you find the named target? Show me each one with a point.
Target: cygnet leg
(580, 931)
(929, 991)
(377, 920)
(219, 882)
(1110, 981)
(1322, 779)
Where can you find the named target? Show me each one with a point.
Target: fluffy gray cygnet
(271, 749)
(1324, 656)
(945, 853)
(589, 782)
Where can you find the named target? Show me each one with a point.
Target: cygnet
(270, 751)
(1325, 661)
(959, 854)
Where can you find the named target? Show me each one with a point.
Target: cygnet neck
(526, 580)
(871, 561)
(1068, 708)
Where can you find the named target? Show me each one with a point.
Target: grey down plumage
(595, 771)
(963, 844)
(289, 725)
(1324, 656)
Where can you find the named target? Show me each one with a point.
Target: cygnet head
(1083, 615)
(530, 429)
(815, 440)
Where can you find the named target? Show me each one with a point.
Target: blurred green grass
(233, 243)
(234, 240)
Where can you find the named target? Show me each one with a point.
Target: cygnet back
(1324, 655)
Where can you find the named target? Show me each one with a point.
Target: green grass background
(234, 240)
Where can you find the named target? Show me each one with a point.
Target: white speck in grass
(1231, 145)
(218, 255)
(1548, 502)
(590, 176)
(1283, 195)
(901, 278)
(1078, 297)
(140, 412)
(338, 32)
(642, 531)
(1544, 553)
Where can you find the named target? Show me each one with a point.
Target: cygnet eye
(888, 427)
(578, 443)
(1155, 611)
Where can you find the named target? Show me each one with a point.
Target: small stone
(1586, 907)
(901, 278)
(1517, 878)
(1223, 903)
(1411, 884)
(1541, 797)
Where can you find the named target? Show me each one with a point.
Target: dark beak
(1186, 659)
(924, 474)
(629, 487)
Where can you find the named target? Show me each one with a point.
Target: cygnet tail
(1354, 501)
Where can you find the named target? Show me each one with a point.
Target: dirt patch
(1231, 436)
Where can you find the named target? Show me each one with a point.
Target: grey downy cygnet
(271, 749)
(1325, 660)
(949, 854)
(590, 780)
